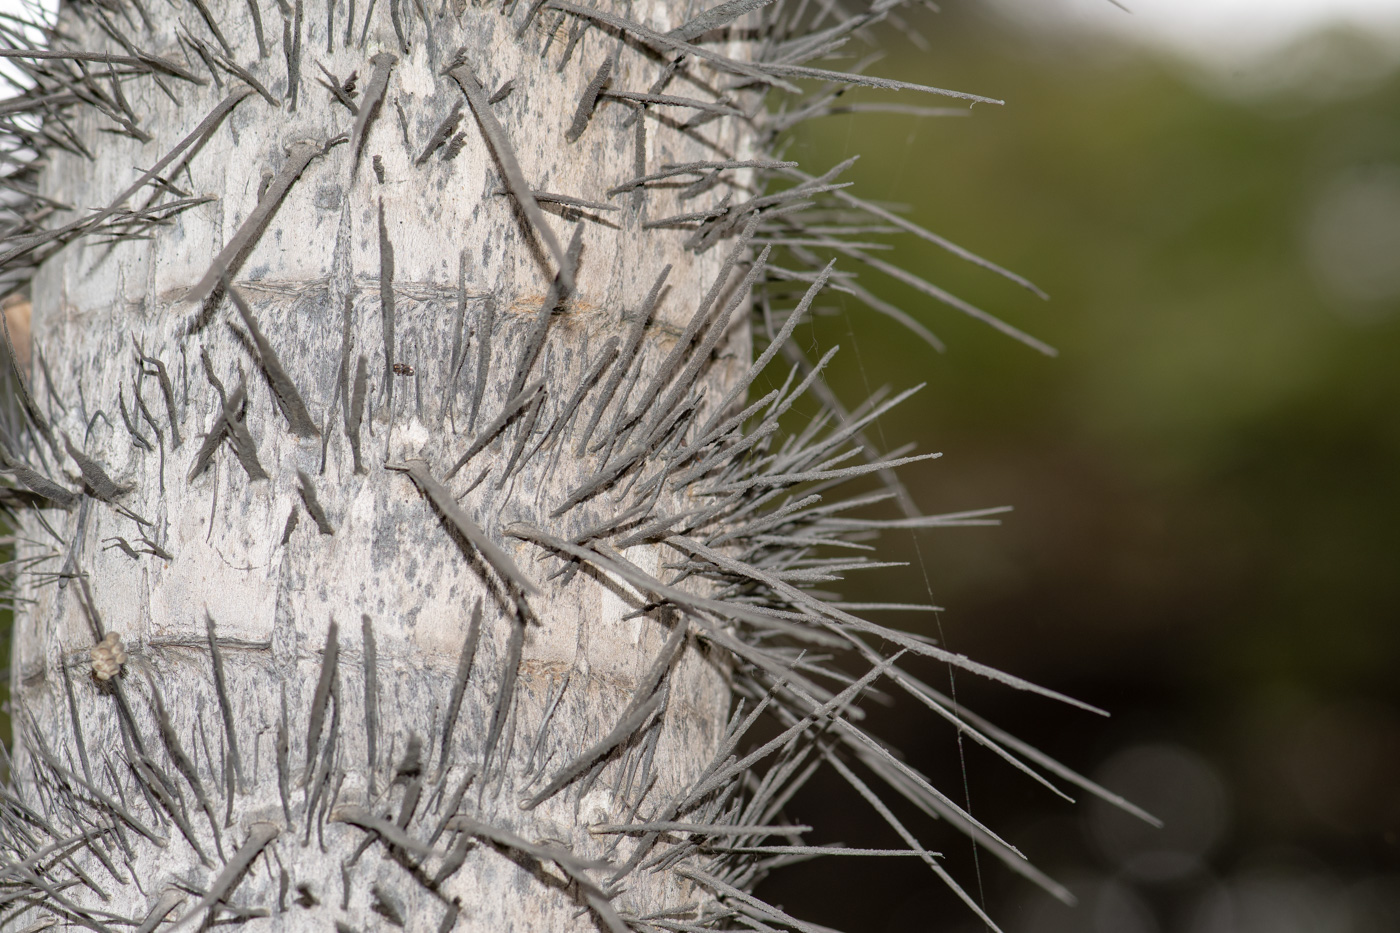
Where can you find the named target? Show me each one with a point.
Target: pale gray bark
(486, 345)
(219, 538)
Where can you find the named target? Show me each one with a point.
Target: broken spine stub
(606, 671)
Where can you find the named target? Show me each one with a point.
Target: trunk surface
(400, 298)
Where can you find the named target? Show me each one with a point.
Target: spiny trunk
(399, 300)
(399, 542)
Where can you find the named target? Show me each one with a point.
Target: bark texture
(399, 544)
(388, 286)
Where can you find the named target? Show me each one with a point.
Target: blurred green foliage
(1206, 481)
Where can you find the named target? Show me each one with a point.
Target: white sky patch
(1217, 33)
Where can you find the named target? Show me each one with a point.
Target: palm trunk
(331, 622)
(395, 535)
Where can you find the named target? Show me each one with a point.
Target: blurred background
(1206, 481)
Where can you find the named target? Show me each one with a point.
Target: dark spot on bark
(328, 197)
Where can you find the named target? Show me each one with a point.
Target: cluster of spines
(752, 536)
